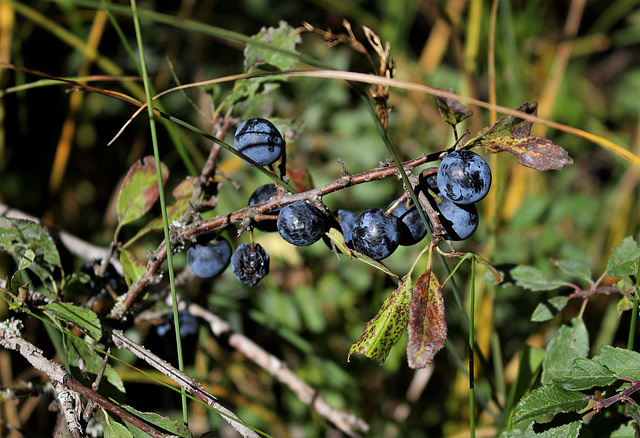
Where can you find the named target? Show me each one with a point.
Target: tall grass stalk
(165, 222)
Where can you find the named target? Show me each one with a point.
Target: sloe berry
(260, 195)
(412, 229)
(464, 177)
(209, 259)
(250, 264)
(259, 140)
(301, 224)
(376, 234)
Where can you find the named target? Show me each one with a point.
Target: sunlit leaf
(84, 319)
(550, 308)
(452, 111)
(513, 134)
(532, 278)
(338, 239)
(139, 190)
(427, 327)
(622, 362)
(571, 342)
(114, 429)
(624, 259)
(383, 331)
(575, 269)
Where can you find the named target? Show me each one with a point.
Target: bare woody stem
(240, 216)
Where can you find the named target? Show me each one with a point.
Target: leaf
(585, 374)
(532, 278)
(452, 111)
(508, 126)
(182, 193)
(565, 429)
(427, 327)
(575, 269)
(383, 331)
(549, 308)
(624, 259)
(622, 362)
(113, 429)
(548, 399)
(15, 284)
(538, 153)
(172, 427)
(78, 351)
(84, 319)
(132, 266)
(300, 179)
(513, 134)
(17, 236)
(571, 342)
(272, 47)
(529, 364)
(139, 190)
(625, 430)
(337, 238)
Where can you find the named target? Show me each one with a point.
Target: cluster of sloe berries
(462, 179)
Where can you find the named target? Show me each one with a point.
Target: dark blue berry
(260, 195)
(209, 259)
(250, 264)
(110, 280)
(412, 229)
(188, 324)
(376, 234)
(464, 177)
(346, 220)
(459, 221)
(301, 224)
(259, 140)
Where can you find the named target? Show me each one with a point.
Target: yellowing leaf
(427, 327)
(383, 331)
(132, 266)
(535, 152)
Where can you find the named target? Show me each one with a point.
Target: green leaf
(173, 427)
(84, 319)
(585, 374)
(15, 284)
(383, 331)
(132, 266)
(452, 111)
(622, 362)
(139, 190)
(509, 126)
(530, 362)
(624, 259)
(17, 236)
(550, 430)
(427, 327)
(571, 342)
(575, 269)
(113, 429)
(338, 239)
(634, 412)
(548, 399)
(549, 308)
(78, 351)
(272, 48)
(532, 278)
(624, 431)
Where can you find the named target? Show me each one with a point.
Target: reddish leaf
(300, 179)
(427, 327)
(139, 190)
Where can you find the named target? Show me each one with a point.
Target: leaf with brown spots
(452, 111)
(535, 152)
(383, 331)
(427, 327)
(513, 134)
(139, 190)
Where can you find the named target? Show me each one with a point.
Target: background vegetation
(581, 62)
